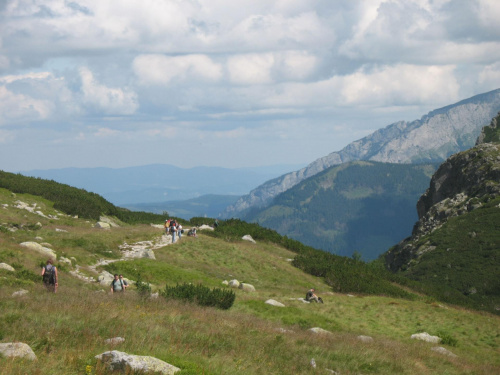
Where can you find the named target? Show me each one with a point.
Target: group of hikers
(172, 227)
(119, 284)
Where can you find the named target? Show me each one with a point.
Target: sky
(228, 83)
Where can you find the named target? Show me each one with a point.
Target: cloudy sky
(231, 83)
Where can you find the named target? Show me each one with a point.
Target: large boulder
(102, 225)
(39, 248)
(5, 266)
(247, 287)
(115, 360)
(424, 336)
(272, 302)
(17, 349)
(249, 238)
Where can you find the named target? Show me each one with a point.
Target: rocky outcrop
(120, 361)
(433, 138)
(463, 183)
(39, 248)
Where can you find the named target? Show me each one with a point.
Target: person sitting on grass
(312, 297)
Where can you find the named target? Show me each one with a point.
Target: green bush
(143, 288)
(202, 295)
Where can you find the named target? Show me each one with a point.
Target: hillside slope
(362, 207)
(68, 329)
(433, 138)
(456, 242)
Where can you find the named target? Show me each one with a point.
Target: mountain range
(433, 138)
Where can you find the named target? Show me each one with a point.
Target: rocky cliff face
(433, 138)
(463, 183)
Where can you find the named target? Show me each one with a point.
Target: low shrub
(202, 295)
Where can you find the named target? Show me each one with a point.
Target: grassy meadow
(68, 329)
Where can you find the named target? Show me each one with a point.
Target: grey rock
(318, 330)
(115, 360)
(274, 303)
(441, 350)
(102, 225)
(249, 238)
(17, 349)
(39, 248)
(234, 283)
(424, 336)
(246, 287)
(5, 266)
(365, 339)
(20, 293)
(114, 341)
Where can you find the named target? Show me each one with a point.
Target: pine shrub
(202, 295)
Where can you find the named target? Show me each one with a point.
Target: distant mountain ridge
(161, 182)
(433, 138)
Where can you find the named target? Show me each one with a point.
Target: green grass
(67, 330)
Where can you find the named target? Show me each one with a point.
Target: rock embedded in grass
(17, 349)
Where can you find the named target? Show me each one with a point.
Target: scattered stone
(424, 336)
(19, 293)
(107, 220)
(246, 287)
(115, 360)
(441, 350)
(102, 225)
(17, 349)
(65, 261)
(247, 237)
(40, 249)
(204, 226)
(5, 266)
(61, 230)
(283, 330)
(365, 338)
(313, 363)
(225, 282)
(319, 330)
(234, 283)
(274, 303)
(114, 341)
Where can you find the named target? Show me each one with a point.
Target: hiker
(124, 282)
(173, 230)
(49, 276)
(117, 285)
(216, 223)
(179, 231)
(192, 232)
(311, 296)
(167, 226)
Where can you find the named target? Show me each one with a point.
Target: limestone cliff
(464, 183)
(433, 138)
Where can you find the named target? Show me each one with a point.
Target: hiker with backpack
(49, 276)
(117, 284)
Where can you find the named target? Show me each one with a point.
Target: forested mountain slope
(363, 207)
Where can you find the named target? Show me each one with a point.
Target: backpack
(49, 276)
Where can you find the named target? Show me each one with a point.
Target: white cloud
(161, 70)
(251, 69)
(113, 101)
(18, 107)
